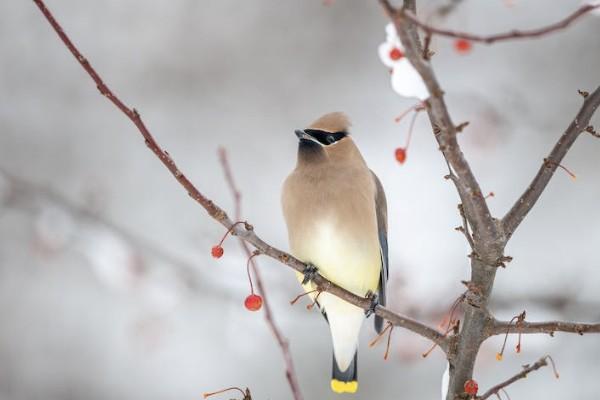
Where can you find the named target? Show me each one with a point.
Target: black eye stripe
(326, 138)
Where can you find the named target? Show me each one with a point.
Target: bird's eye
(330, 139)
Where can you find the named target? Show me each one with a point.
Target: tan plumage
(334, 208)
(332, 122)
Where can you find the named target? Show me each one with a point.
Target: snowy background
(107, 286)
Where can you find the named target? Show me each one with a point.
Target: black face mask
(326, 138)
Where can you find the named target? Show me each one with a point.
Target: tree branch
(525, 203)
(542, 362)
(290, 371)
(487, 239)
(510, 35)
(477, 212)
(220, 216)
(549, 327)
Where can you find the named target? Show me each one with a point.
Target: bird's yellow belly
(352, 261)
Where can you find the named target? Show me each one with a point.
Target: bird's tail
(345, 381)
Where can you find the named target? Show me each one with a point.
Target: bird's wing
(381, 210)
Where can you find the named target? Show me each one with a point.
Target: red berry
(400, 155)
(253, 302)
(471, 387)
(216, 251)
(396, 54)
(462, 46)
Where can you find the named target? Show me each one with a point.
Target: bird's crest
(332, 122)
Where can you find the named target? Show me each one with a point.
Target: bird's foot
(374, 303)
(310, 272)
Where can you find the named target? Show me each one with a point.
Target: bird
(335, 210)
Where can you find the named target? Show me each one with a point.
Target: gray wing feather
(381, 210)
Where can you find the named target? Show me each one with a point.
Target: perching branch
(528, 199)
(549, 327)
(290, 371)
(542, 362)
(220, 216)
(510, 35)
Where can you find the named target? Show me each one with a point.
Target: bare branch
(549, 327)
(290, 371)
(542, 362)
(510, 35)
(219, 215)
(487, 238)
(528, 199)
(476, 208)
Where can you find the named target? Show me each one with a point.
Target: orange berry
(216, 251)
(396, 54)
(471, 387)
(400, 154)
(462, 46)
(253, 302)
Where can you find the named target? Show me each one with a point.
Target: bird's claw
(310, 272)
(374, 303)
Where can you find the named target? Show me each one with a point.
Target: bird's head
(326, 139)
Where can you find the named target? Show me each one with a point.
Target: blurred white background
(107, 286)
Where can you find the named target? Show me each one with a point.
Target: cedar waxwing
(336, 215)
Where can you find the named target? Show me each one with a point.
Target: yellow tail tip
(344, 387)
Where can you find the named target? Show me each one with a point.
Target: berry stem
(254, 254)
(571, 174)
(387, 348)
(556, 374)
(295, 299)
(206, 395)
(311, 305)
(231, 228)
(389, 327)
(416, 109)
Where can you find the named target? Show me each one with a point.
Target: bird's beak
(303, 135)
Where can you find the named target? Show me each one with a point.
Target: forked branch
(525, 203)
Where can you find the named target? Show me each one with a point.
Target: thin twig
(220, 216)
(389, 327)
(549, 327)
(510, 35)
(246, 394)
(542, 362)
(527, 200)
(465, 227)
(290, 371)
